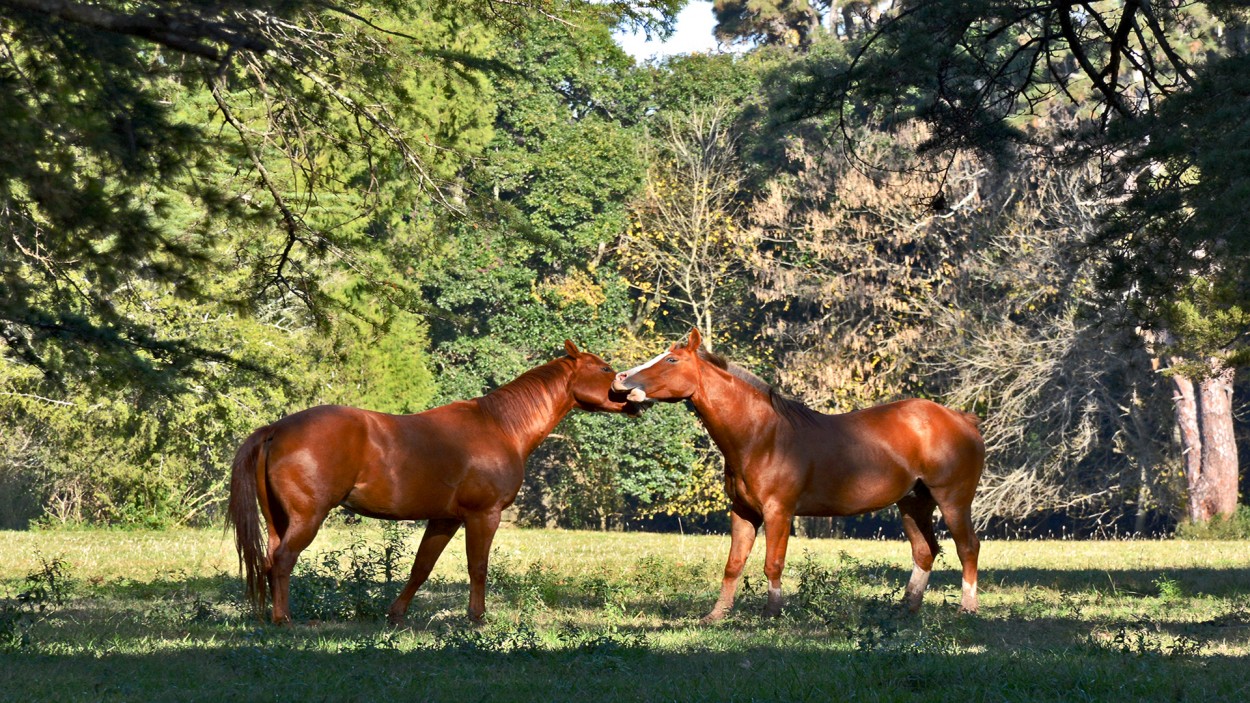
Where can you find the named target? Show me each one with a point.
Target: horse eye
(607, 368)
(671, 360)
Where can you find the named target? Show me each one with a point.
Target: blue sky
(694, 33)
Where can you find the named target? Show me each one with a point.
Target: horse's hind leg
(479, 532)
(437, 534)
(741, 539)
(300, 531)
(916, 509)
(958, 516)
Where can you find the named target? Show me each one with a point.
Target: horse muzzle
(618, 383)
(634, 394)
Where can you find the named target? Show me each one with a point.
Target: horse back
(940, 446)
(867, 459)
(381, 465)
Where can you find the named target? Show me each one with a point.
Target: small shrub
(603, 649)
(607, 641)
(614, 596)
(495, 637)
(1169, 589)
(183, 606)
(1223, 527)
(1145, 637)
(525, 589)
(354, 583)
(1238, 615)
(48, 585)
(44, 589)
(825, 594)
(15, 625)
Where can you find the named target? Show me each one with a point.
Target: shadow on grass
(272, 664)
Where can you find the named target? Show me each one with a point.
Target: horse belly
(839, 493)
(400, 500)
(420, 484)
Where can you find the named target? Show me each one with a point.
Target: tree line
(219, 213)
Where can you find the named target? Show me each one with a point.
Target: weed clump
(356, 582)
(855, 600)
(1220, 527)
(44, 589)
(1145, 637)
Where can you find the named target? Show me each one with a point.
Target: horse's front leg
(437, 534)
(776, 537)
(742, 537)
(479, 532)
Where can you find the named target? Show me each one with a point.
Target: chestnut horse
(459, 464)
(784, 459)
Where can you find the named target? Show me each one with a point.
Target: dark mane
(515, 403)
(794, 411)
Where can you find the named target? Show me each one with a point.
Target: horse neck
(734, 412)
(530, 406)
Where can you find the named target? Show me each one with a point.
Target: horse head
(668, 377)
(591, 384)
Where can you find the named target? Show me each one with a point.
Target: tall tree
(686, 250)
(776, 22)
(302, 103)
(1160, 94)
(331, 94)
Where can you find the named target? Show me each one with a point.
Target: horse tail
(972, 419)
(244, 515)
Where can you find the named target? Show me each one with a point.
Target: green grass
(608, 616)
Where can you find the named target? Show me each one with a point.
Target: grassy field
(101, 616)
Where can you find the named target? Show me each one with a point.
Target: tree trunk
(1204, 414)
(1218, 484)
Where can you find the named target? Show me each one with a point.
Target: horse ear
(695, 339)
(571, 348)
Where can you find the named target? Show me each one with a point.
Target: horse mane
(794, 411)
(514, 403)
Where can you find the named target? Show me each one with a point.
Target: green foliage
(356, 582)
(44, 590)
(218, 312)
(136, 156)
(609, 468)
(501, 637)
(782, 22)
(135, 455)
(1169, 589)
(563, 160)
(386, 368)
(686, 81)
(1183, 217)
(1220, 527)
(1147, 638)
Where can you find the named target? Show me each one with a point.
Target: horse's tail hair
(973, 419)
(244, 515)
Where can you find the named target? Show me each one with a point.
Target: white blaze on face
(626, 374)
(637, 395)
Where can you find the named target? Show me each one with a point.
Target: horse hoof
(713, 617)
